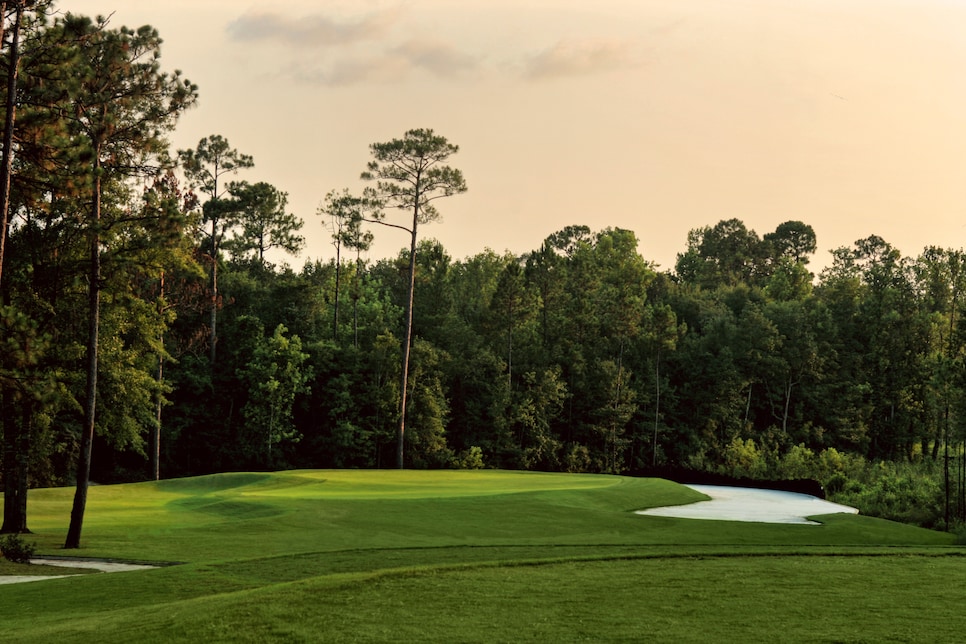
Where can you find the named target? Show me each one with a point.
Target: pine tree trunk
(6, 162)
(213, 285)
(156, 431)
(93, 330)
(962, 483)
(751, 386)
(946, 470)
(617, 403)
(355, 302)
(14, 470)
(657, 404)
(401, 434)
(9, 455)
(788, 402)
(338, 280)
(509, 354)
(16, 452)
(22, 463)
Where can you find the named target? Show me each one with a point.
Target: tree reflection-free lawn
(474, 556)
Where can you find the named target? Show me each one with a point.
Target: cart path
(94, 564)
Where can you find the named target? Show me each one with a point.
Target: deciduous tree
(275, 375)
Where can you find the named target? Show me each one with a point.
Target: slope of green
(464, 556)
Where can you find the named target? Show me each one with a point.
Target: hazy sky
(655, 115)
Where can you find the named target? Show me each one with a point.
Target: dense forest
(152, 327)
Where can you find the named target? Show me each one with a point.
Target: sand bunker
(753, 505)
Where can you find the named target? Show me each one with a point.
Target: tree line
(147, 331)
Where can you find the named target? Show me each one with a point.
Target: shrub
(743, 459)
(578, 459)
(469, 459)
(836, 483)
(15, 549)
(798, 463)
(960, 531)
(832, 462)
(906, 492)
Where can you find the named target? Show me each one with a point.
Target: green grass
(472, 556)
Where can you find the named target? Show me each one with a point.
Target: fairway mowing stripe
(344, 578)
(626, 553)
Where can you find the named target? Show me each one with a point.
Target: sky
(658, 116)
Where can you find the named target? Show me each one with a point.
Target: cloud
(437, 58)
(396, 64)
(353, 71)
(313, 30)
(379, 48)
(364, 49)
(579, 58)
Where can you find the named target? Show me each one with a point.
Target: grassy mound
(467, 556)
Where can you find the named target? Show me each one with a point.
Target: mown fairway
(473, 556)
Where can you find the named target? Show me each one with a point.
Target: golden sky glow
(655, 115)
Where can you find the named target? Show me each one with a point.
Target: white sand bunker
(753, 505)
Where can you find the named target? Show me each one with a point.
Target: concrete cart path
(103, 566)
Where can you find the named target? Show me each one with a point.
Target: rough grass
(472, 556)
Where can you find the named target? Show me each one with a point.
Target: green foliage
(726, 254)
(15, 549)
(276, 374)
(213, 158)
(263, 223)
(409, 174)
(470, 459)
(792, 240)
(429, 409)
(907, 492)
(835, 484)
(742, 458)
(128, 388)
(534, 409)
(960, 531)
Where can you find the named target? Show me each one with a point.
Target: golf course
(357, 555)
